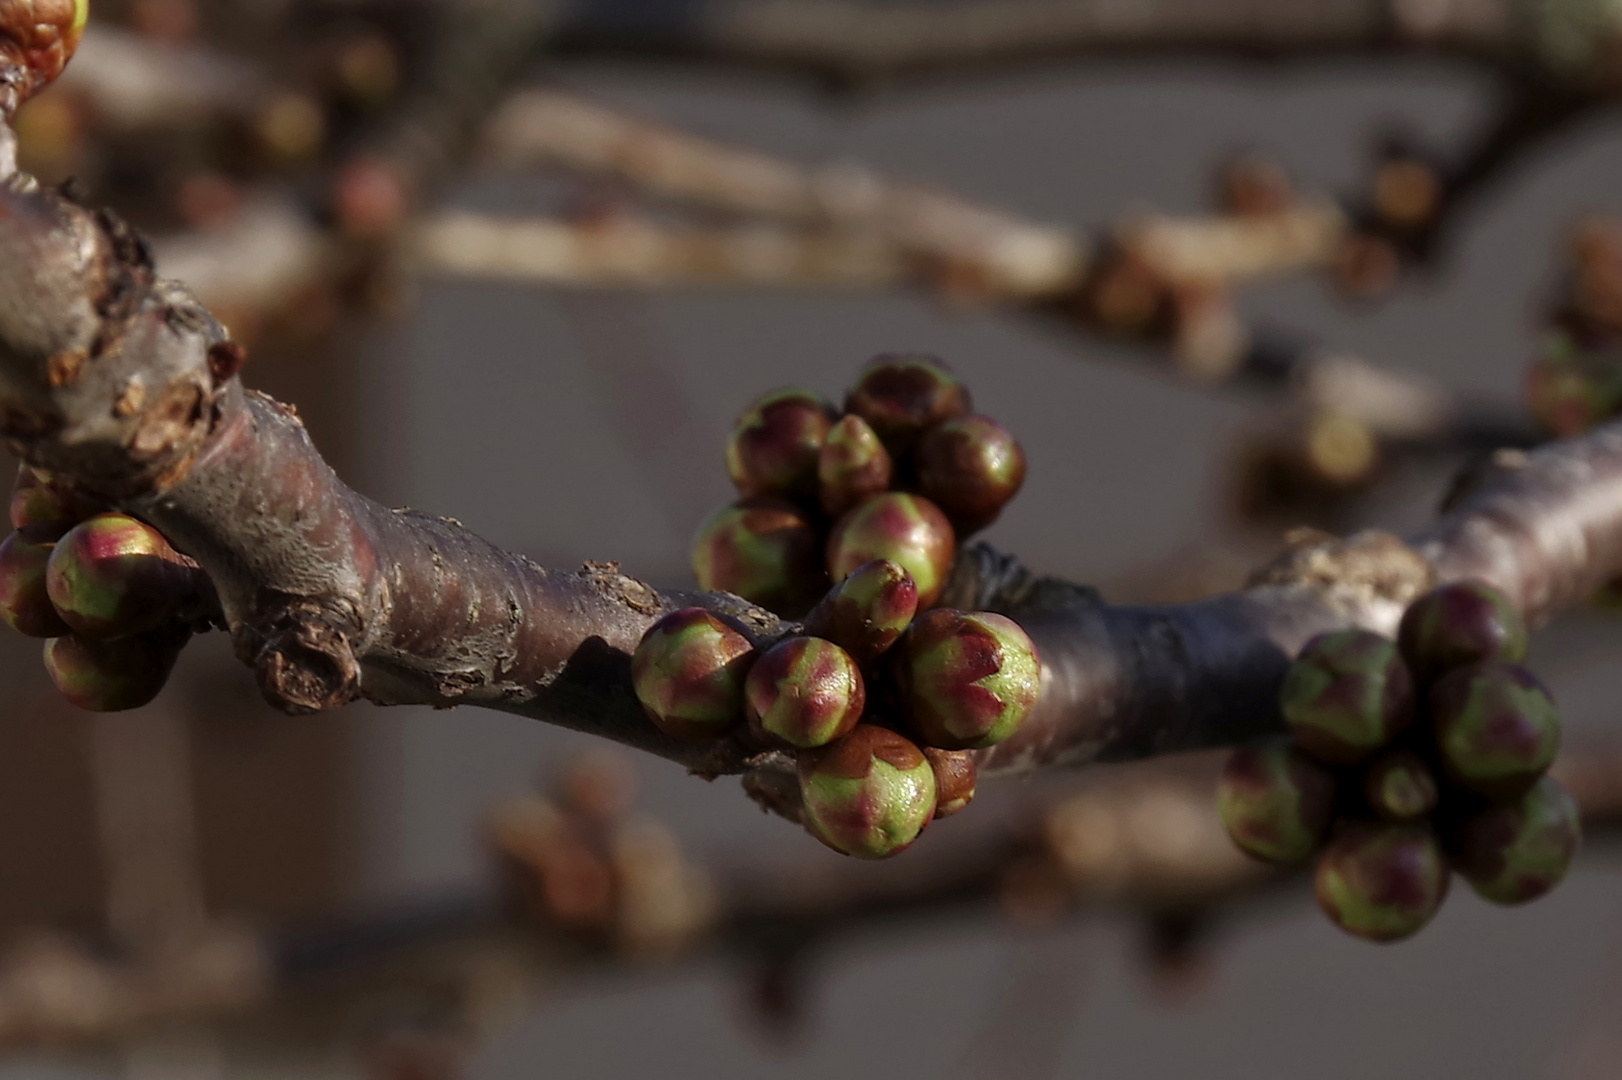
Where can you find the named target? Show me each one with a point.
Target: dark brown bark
(330, 596)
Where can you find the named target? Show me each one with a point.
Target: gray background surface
(1127, 468)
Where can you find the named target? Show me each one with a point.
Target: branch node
(772, 783)
(1369, 570)
(301, 652)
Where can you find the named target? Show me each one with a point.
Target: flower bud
(853, 467)
(1382, 882)
(1465, 623)
(967, 681)
(688, 672)
(805, 692)
(903, 396)
(111, 676)
(24, 601)
(1347, 694)
(970, 467)
(34, 501)
(1399, 786)
(776, 444)
(1571, 388)
(1275, 802)
(869, 795)
(764, 550)
(1497, 729)
(114, 575)
(902, 528)
(41, 36)
(1520, 850)
(866, 613)
(956, 777)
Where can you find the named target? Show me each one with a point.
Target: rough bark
(124, 384)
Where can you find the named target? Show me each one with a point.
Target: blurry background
(587, 423)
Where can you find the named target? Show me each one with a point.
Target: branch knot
(301, 653)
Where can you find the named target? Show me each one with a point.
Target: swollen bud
(1520, 850)
(1382, 882)
(805, 692)
(866, 613)
(41, 36)
(111, 676)
(688, 672)
(776, 444)
(1275, 802)
(971, 467)
(956, 777)
(1497, 729)
(114, 575)
(1400, 787)
(1465, 623)
(967, 680)
(869, 795)
(34, 501)
(904, 529)
(764, 550)
(853, 467)
(24, 601)
(905, 396)
(1347, 694)
(1571, 389)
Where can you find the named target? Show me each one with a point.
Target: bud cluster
(40, 37)
(879, 708)
(882, 697)
(1407, 760)
(1575, 380)
(904, 473)
(108, 593)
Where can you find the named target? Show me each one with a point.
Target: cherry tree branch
(850, 42)
(1150, 279)
(125, 385)
(1144, 841)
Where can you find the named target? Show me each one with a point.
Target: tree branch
(1145, 841)
(329, 596)
(849, 42)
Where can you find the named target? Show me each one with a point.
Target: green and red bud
(867, 612)
(764, 550)
(688, 672)
(1400, 786)
(113, 575)
(967, 680)
(41, 36)
(36, 501)
(904, 529)
(903, 396)
(1382, 882)
(1571, 388)
(1347, 694)
(24, 601)
(956, 777)
(869, 795)
(1497, 728)
(1517, 851)
(970, 467)
(853, 467)
(804, 692)
(112, 676)
(777, 443)
(1275, 802)
(1468, 622)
